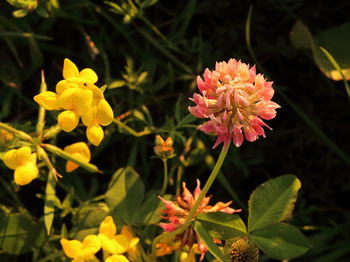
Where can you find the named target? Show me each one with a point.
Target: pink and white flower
(235, 100)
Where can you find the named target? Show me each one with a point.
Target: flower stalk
(16, 132)
(170, 235)
(165, 179)
(41, 115)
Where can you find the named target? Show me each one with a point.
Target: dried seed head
(242, 250)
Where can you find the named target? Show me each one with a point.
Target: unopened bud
(164, 149)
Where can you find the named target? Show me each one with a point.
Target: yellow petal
(10, 160)
(63, 85)
(68, 120)
(71, 247)
(26, 173)
(89, 118)
(108, 244)
(104, 113)
(80, 149)
(47, 100)
(22, 155)
(96, 91)
(69, 69)
(71, 166)
(67, 99)
(126, 231)
(108, 227)
(133, 242)
(116, 258)
(83, 100)
(94, 134)
(89, 75)
(92, 243)
(122, 243)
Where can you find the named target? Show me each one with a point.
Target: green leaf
(18, 234)
(150, 211)
(207, 239)
(335, 40)
(125, 193)
(222, 225)
(272, 202)
(90, 216)
(186, 120)
(300, 36)
(50, 197)
(280, 241)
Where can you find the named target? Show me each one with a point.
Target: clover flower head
(235, 100)
(23, 161)
(78, 96)
(80, 150)
(82, 251)
(178, 211)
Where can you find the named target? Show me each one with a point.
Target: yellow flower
(80, 150)
(80, 97)
(113, 243)
(82, 251)
(100, 113)
(116, 258)
(24, 163)
(133, 252)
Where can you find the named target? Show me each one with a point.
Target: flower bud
(68, 120)
(164, 149)
(94, 134)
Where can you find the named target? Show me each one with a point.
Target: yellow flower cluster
(114, 245)
(23, 161)
(78, 95)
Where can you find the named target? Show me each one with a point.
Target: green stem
(165, 180)
(214, 173)
(51, 132)
(165, 52)
(59, 152)
(247, 37)
(130, 130)
(41, 115)
(159, 33)
(16, 132)
(209, 182)
(337, 67)
(180, 170)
